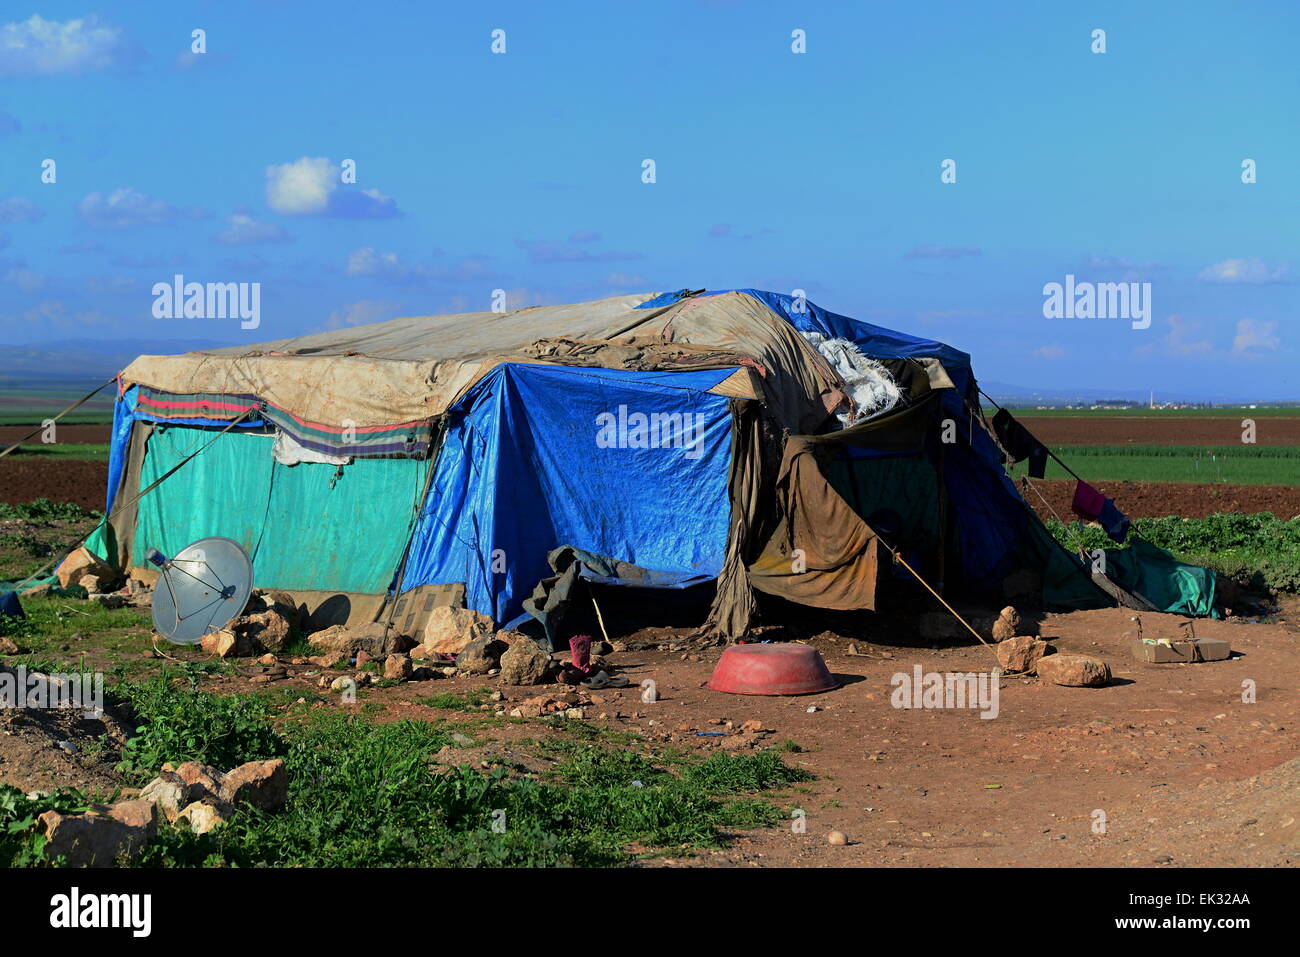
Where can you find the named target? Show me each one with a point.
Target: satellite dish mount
(200, 589)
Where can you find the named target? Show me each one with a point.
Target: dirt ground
(1184, 771)
(74, 434)
(25, 478)
(1157, 499)
(1156, 429)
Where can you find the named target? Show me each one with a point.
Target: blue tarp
(123, 419)
(874, 341)
(606, 461)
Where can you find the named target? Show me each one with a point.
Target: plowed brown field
(1160, 429)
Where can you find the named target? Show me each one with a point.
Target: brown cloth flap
(822, 553)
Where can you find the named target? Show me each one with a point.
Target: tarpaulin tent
(742, 437)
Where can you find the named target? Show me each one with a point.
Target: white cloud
(311, 186)
(25, 279)
(622, 280)
(1255, 336)
(1181, 339)
(1050, 352)
(942, 252)
(241, 230)
(15, 209)
(362, 313)
(40, 47)
(1246, 271)
(367, 262)
(301, 188)
(547, 251)
(128, 207)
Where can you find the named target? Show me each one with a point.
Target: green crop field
(24, 406)
(1236, 465)
(65, 450)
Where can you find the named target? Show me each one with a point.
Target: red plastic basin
(771, 669)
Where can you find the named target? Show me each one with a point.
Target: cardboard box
(1187, 650)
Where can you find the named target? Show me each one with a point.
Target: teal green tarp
(1154, 574)
(304, 528)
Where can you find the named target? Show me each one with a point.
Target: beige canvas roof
(414, 368)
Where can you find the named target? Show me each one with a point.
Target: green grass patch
(43, 510)
(174, 722)
(1261, 550)
(448, 701)
(1233, 465)
(367, 795)
(65, 450)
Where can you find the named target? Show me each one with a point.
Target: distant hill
(44, 365)
(1012, 395)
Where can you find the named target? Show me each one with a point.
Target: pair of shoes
(603, 679)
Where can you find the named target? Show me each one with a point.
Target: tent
(742, 438)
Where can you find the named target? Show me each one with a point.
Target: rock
(481, 655)
(752, 727)
(397, 667)
(524, 663)
(137, 813)
(327, 660)
(449, 630)
(1021, 654)
(577, 714)
(101, 836)
(269, 631)
(109, 601)
(342, 684)
(223, 644)
(1074, 671)
(203, 816)
(38, 591)
(362, 658)
(267, 659)
(90, 583)
(1007, 624)
(7, 647)
(263, 784)
(80, 564)
(167, 792)
(374, 638)
(836, 839)
(201, 780)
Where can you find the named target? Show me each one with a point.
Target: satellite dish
(200, 589)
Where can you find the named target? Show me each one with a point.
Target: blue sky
(522, 171)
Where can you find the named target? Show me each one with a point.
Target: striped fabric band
(404, 440)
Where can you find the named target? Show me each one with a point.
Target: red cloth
(1088, 502)
(580, 651)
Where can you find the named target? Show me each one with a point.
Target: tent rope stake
(917, 575)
